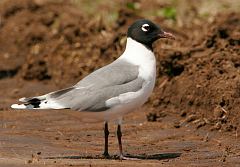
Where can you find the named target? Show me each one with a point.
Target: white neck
(137, 54)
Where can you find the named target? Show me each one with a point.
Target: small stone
(176, 125)
(155, 103)
(183, 114)
(191, 118)
(206, 138)
(217, 126)
(35, 50)
(77, 45)
(218, 112)
(201, 124)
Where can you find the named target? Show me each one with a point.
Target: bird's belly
(117, 112)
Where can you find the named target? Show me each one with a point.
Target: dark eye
(145, 27)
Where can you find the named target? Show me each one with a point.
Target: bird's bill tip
(166, 35)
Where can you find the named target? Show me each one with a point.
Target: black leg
(119, 136)
(106, 133)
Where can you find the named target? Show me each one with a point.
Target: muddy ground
(192, 117)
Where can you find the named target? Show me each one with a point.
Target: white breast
(137, 54)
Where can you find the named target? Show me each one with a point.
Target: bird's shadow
(161, 156)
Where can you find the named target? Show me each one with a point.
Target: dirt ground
(192, 117)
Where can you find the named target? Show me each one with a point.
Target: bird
(114, 90)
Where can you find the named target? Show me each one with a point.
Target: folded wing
(92, 92)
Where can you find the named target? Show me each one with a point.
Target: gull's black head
(146, 32)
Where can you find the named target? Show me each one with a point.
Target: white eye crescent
(145, 27)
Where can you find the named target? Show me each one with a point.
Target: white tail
(37, 103)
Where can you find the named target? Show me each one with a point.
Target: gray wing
(118, 72)
(91, 93)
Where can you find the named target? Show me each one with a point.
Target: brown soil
(192, 118)
(203, 81)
